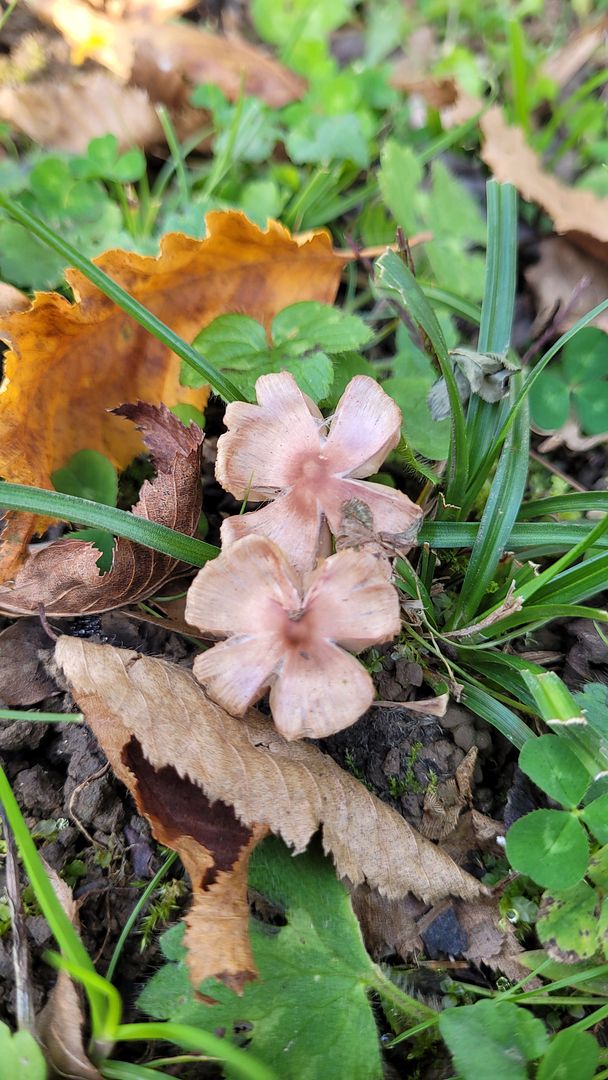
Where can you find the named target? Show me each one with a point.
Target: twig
(550, 467)
(76, 792)
(45, 624)
(24, 1003)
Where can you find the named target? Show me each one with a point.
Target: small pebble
(483, 740)
(484, 799)
(454, 717)
(464, 736)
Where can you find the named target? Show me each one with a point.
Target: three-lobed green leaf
(550, 846)
(305, 338)
(493, 1038)
(556, 769)
(308, 1014)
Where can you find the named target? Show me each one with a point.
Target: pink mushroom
(291, 635)
(279, 450)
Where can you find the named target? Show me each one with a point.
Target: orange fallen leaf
(64, 577)
(169, 59)
(212, 785)
(69, 363)
(580, 215)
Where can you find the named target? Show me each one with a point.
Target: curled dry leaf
(169, 59)
(569, 278)
(70, 363)
(61, 1022)
(581, 215)
(395, 925)
(278, 450)
(212, 785)
(66, 113)
(64, 577)
(292, 635)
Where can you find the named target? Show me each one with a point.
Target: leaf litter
(177, 750)
(64, 576)
(237, 267)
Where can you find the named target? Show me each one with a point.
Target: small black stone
(445, 935)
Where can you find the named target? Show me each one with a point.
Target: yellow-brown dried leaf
(581, 215)
(211, 785)
(70, 363)
(169, 59)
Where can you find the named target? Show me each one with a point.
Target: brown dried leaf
(168, 59)
(570, 435)
(178, 753)
(492, 940)
(23, 677)
(64, 577)
(388, 926)
(581, 215)
(568, 277)
(61, 1022)
(578, 50)
(70, 363)
(66, 113)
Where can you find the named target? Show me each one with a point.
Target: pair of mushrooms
(290, 613)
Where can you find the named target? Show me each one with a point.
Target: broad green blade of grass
(532, 538)
(66, 937)
(484, 418)
(41, 717)
(575, 503)
(498, 715)
(500, 512)
(121, 298)
(454, 303)
(576, 584)
(395, 281)
(190, 1038)
(120, 522)
(532, 617)
(537, 587)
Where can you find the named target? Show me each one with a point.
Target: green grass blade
(96, 987)
(66, 937)
(501, 268)
(484, 418)
(537, 586)
(41, 717)
(125, 1070)
(190, 1038)
(452, 301)
(499, 514)
(543, 538)
(121, 298)
(395, 281)
(576, 584)
(136, 912)
(498, 715)
(535, 615)
(576, 503)
(120, 522)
